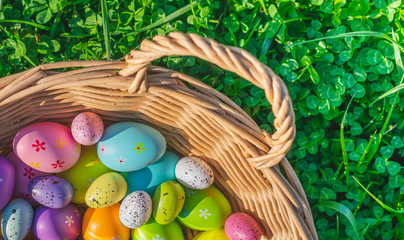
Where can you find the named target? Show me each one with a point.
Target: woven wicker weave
(195, 120)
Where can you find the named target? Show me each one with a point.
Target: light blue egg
(16, 219)
(149, 178)
(130, 146)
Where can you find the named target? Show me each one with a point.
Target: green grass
(341, 61)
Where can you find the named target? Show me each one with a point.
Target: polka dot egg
(87, 128)
(241, 226)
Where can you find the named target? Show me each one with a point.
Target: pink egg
(87, 128)
(23, 175)
(241, 226)
(47, 147)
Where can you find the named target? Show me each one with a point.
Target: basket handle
(232, 59)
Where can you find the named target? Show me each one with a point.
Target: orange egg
(104, 223)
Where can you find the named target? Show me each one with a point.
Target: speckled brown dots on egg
(135, 209)
(194, 173)
(87, 128)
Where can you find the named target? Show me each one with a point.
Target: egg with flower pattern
(57, 223)
(205, 209)
(47, 146)
(130, 146)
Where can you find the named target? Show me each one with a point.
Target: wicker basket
(195, 121)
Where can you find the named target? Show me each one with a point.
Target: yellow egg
(84, 172)
(218, 234)
(105, 191)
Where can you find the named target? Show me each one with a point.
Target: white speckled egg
(87, 128)
(194, 173)
(16, 219)
(135, 209)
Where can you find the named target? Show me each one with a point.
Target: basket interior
(198, 121)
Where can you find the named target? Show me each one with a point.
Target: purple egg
(51, 191)
(87, 128)
(7, 181)
(61, 223)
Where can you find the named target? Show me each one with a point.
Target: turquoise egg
(149, 178)
(16, 219)
(130, 146)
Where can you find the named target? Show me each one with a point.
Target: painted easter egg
(205, 209)
(87, 128)
(218, 234)
(47, 146)
(57, 223)
(106, 190)
(241, 226)
(84, 172)
(150, 177)
(153, 230)
(16, 219)
(23, 175)
(130, 146)
(168, 201)
(7, 181)
(51, 191)
(135, 209)
(194, 173)
(104, 223)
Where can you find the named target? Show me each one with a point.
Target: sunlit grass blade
(26, 22)
(382, 204)
(105, 27)
(170, 17)
(365, 152)
(361, 201)
(400, 67)
(353, 34)
(342, 139)
(252, 32)
(389, 92)
(341, 208)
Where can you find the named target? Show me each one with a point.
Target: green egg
(205, 209)
(168, 201)
(153, 230)
(218, 234)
